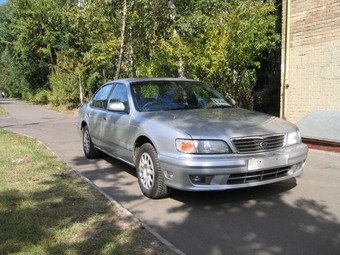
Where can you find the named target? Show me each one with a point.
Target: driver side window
(100, 99)
(119, 94)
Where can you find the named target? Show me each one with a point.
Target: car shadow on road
(257, 220)
(233, 195)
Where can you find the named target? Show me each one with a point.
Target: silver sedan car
(182, 134)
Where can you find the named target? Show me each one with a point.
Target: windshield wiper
(219, 107)
(183, 107)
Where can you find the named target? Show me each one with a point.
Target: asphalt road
(298, 216)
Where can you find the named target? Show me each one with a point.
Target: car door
(95, 112)
(115, 127)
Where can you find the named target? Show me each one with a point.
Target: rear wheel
(149, 174)
(89, 150)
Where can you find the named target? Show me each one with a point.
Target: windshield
(175, 95)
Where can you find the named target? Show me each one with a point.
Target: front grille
(259, 143)
(258, 176)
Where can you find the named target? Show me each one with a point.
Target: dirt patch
(64, 109)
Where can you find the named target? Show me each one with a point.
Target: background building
(310, 72)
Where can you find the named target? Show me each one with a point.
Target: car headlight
(293, 138)
(202, 146)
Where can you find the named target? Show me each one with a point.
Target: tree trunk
(181, 68)
(122, 35)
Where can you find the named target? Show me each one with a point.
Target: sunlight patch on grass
(45, 208)
(3, 112)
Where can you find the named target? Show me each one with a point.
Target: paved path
(298, 216)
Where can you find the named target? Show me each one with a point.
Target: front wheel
(149, 174)
(89, 150)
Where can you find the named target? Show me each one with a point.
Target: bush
(42, 97)
(65, 89)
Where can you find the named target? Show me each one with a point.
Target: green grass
(3, 112)
(45, 208)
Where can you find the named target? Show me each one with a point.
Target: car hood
(218, 123)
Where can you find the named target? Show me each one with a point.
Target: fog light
(296, 167)
(200, 179)
(300, 165)
(169, 175)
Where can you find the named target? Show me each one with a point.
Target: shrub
(65, 89)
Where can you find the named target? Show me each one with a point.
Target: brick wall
(314, 57)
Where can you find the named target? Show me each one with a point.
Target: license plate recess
(265, 163)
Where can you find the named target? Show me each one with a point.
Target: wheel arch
(83, 125)
(138, 143)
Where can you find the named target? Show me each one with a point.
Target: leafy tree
(221, 42)
(5, 40)
(91, 46)
(218, 42)
(29, 24)
(56, 49)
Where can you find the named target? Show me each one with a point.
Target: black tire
(89, 150)
(149, 174)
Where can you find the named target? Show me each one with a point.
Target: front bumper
(217, 172)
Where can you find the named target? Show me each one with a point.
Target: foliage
(41, 97)
(59, 46)
(5, 38)
(65, 89)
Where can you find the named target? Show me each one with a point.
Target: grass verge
(45, 208)
(3, 112)
(64, 109)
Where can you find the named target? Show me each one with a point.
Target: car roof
(130, 80)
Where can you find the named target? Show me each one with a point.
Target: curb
(118, 205)
(131, 216)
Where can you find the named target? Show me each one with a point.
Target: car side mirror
(232, 102)
(116, 107)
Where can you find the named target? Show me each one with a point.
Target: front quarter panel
(161, 134)
(81, 119)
